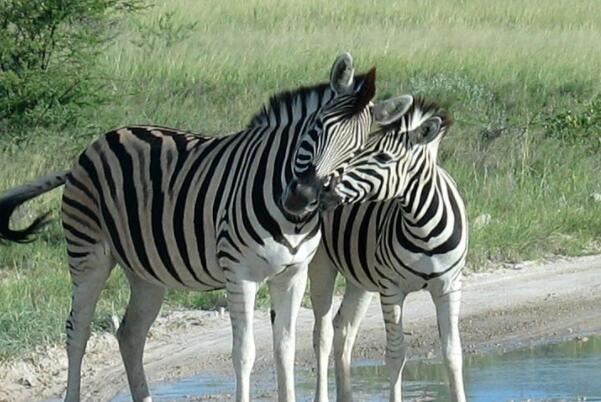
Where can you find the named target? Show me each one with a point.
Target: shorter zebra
(414, 236)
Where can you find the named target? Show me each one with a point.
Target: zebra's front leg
(322, 282)
(241, 303)
(447, 312)
(346, 324)
(286, 290)
(396, 349)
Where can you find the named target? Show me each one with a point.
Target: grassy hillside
(521, 79)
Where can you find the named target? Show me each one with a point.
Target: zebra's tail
(17, 196)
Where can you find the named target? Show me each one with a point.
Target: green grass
(504, 69)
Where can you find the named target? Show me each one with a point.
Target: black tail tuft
(23, 235)
(17, 196)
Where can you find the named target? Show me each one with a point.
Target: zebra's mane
(287, 99)
(420, 110)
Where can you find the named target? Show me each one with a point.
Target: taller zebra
(417, 239)
(178, 210)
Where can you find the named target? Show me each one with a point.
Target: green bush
(578, 125)
(47, 53)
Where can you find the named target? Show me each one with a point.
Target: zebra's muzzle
(301, 199)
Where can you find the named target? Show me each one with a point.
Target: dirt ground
(504, 309)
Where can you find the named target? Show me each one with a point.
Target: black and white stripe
(180, 210)
(412, 236)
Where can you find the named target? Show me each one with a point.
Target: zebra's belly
(412, 274)
(181, 277)
(193, 263)
(256, 265)
(435, 273)
(166, 259)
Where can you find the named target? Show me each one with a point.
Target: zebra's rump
(129, 188)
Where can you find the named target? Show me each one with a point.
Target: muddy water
(567, 371)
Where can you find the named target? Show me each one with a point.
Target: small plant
(164, 31)
(581, 125)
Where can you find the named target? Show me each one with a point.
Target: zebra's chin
(299, 217)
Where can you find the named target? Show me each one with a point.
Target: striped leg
(286, 290)
(241, 303)
(323, 281)
(447, 311)
(144, 304)
(346, 324)
(89, 272)
(396, 348)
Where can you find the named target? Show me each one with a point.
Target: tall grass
(503, 68)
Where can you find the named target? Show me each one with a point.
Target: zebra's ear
(426, 132)
(342, 75)
(391, 110)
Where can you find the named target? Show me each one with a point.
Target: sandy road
(503, 309)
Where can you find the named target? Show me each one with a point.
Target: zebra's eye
(383, 158)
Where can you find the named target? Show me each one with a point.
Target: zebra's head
(404, 147)
(332, 137)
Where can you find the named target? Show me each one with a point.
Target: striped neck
(422, 194)
(421, 176)
(431, 220)
(421, 211)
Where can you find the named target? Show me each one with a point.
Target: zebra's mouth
(295, 218)
(302, 215)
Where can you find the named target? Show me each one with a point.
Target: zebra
(186, 211)
(411, 233)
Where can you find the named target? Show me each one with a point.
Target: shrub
(47, 53)
(578, 125)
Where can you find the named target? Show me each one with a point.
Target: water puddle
(567, 371)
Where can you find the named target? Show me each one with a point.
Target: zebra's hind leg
(447, 312)
(396, 349)
(346, 324)
(90, 266)
(144, 304)
(322, 282)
